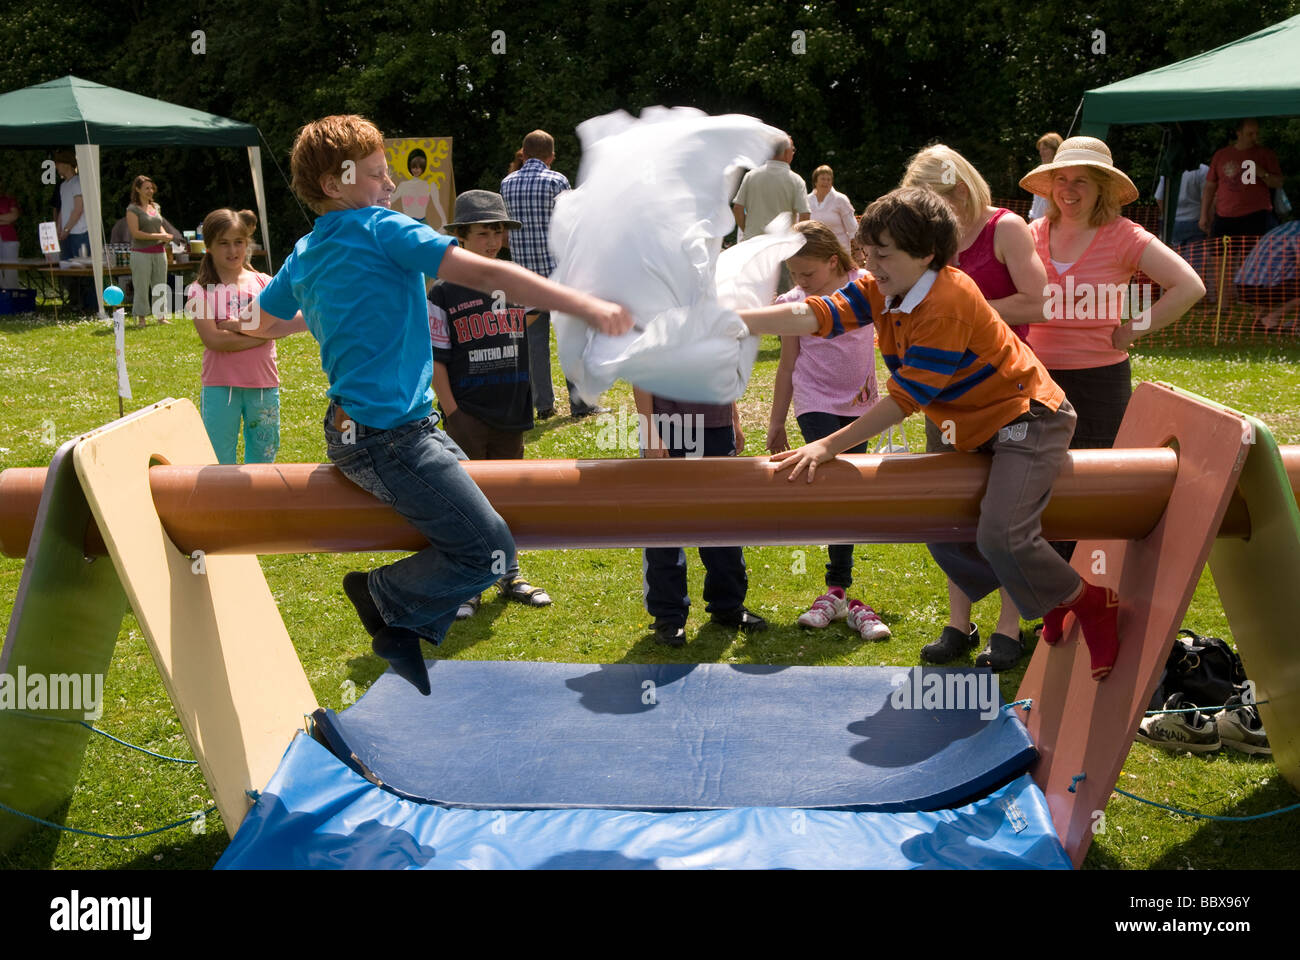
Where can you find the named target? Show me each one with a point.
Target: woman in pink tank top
(996, 251)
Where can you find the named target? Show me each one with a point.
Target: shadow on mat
(620, 689)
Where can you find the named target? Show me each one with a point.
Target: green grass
(62, 374)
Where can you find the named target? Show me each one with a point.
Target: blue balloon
(113, 295)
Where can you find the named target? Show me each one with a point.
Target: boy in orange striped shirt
(951, 355)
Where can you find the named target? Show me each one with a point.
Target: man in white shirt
(770, 190)
(1188, 213)
(74, 235)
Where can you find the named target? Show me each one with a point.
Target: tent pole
(88, 168)
(259, 193)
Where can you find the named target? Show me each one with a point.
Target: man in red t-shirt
(1238, 197)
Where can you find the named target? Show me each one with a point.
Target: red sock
(1053, 625)
(1098, 613)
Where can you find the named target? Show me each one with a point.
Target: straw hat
(1079, 152)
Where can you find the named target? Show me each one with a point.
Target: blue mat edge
(316, 813)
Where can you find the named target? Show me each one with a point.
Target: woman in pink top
(825, 379)
(996, 251)
(1091, 253)
(240, 378)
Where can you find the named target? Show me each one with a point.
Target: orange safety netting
(1252, 284)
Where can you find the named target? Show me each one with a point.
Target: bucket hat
(481, 206)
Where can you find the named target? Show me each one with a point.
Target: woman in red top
(8, 238)
(994, 250)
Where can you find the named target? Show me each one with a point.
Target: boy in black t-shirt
(480, 363)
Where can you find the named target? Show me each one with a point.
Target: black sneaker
(952, 643)
(741, 619)
(1002, 653)
(581, 412)
(670, 633)
(545, 414)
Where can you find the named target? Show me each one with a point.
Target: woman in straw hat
(1090, 254)
(996, 251)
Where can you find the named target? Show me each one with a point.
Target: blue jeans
(1186, 231)
(815, 426)
(539, 369)
(258, 407)
(664, 568)
(415, 468)
(81, 290)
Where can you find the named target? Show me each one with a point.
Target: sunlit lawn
(59, 378)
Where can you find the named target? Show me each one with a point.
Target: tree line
(859, 86)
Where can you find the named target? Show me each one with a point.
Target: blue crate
(17, 301)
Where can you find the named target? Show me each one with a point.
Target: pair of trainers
(1236, 726)
(833, 605)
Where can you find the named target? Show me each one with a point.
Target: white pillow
(644, 228)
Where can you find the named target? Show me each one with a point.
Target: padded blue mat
(515, 735)
(317, 814)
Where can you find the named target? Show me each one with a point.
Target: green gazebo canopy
(72, 110)
(90, 115)
(1256, 76)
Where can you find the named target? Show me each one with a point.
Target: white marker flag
(119, 347)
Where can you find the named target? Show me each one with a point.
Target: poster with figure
(426, 185)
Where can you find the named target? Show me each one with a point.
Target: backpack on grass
(1205, 670)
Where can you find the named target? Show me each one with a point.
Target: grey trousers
(1009, 549)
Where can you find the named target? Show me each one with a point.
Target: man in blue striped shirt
(530, 194)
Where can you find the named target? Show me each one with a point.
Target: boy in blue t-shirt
(358, 278)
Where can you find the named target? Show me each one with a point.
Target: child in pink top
(826, 378)
(240, 379)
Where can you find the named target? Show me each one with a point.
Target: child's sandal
(521, 591)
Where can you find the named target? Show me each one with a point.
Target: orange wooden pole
(312, 508)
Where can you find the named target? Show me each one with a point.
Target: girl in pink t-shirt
(240, 379)
(826, 379)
